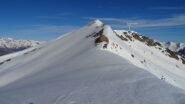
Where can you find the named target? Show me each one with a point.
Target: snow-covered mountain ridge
(94, 65)
(144, 53)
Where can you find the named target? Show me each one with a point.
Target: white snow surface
(72, 70)
(15, 44)
(149, 58)
(16, 54)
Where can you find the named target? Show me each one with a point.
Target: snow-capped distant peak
(10, 45)
(177, 47)
(15, 44)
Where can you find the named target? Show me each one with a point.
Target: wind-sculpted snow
(73, 70)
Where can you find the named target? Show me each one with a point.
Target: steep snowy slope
(177, 47)
(82, 70)
(9, 45)
(148, 54)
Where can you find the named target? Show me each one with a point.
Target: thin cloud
(56, 16)
(46, 29)
(106, 19)
(165, 22)
(168, 8)
(49, 17)
(64, 14)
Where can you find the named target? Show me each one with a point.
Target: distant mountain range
(177, 47)
(9, 45)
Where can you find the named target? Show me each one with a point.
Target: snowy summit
(95, 65)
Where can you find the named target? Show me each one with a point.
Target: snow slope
(4, 58)
(146, 54)
(79, 72)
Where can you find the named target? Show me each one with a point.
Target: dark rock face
(99, 38)
(172, 54)
(176, 55)
(102, 38)
(145, 39)
(122, 38)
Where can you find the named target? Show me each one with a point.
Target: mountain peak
(98, 22)
(93, 65)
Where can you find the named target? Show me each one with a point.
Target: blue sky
(162, 20)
